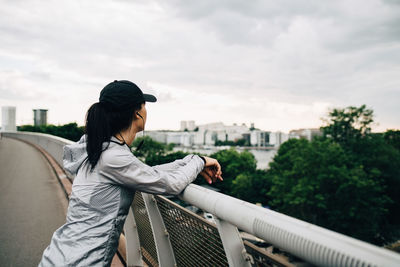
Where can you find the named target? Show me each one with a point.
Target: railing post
(165, 252)
(133, 252)
(233, 243)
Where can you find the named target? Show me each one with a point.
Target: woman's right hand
(212, 170)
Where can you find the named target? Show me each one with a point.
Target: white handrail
(314, 244)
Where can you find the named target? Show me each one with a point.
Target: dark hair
(101, 124)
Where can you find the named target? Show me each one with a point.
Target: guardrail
(162, 233)
(52, 144)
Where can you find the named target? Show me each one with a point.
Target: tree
(233, 163)
(149, 148)
(316, 182)
(392, 137)
(377, 154)
(239, 142)
(70, 131)
(381, 161)
(349, 124)
(252, 187)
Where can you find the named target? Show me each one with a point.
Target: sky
(279, 64)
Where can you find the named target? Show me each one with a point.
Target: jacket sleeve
(172, 165)
(127, 170)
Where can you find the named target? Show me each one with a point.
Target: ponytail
(102, 123)
(98, 130)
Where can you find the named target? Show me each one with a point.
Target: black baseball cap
(122, 95)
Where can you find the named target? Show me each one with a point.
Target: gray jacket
(100, 200)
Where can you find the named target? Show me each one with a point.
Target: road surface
(32, 203)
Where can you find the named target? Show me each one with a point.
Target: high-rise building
(183, 125)
(188, 126)
(8, 118)
(39, 117)
(191, 125)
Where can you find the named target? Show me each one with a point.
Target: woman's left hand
(212, 170)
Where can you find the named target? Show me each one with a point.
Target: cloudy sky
(279, 64)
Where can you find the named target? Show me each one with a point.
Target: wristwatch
(204, 159)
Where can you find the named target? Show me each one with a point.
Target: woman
(107, 176)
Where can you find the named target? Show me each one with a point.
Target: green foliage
(349, 124)
(170, 146)
(150, 148)
(381, 161)
(392, 137)
(252, 186)
(70, 131)
(233, 163)
(240, 142)
(346, 181)
(316, 182)
(378, 154)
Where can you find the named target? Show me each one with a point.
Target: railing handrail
(58, 139)
(52, 144)
(307, 241)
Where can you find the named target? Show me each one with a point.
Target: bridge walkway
(32, 203)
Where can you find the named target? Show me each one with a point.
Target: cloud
(214, 55)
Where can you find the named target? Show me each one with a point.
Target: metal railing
(162, 233)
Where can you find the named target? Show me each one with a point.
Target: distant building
(208, 134)
(247, 137)
(308, 134)
(40, 117)
(158, 136)
(179, 138)
(183, 125)
(276, 139)
(260, 138)
(211, 132)
(188, 126)
(8, 115)
(191, 125)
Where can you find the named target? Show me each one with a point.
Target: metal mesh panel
(148, 247)
(263, 259)
(195, 241)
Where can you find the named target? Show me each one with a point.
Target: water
(263, 157)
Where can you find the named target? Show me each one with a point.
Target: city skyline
(249, 125)
(280, 65)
